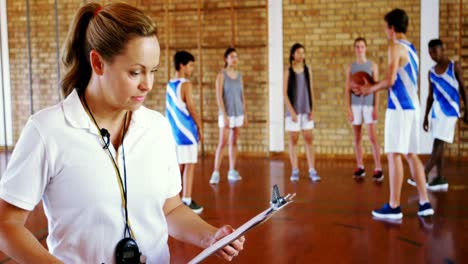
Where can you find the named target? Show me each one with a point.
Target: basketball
(358, 78)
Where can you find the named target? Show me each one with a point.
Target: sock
(295, 170)
(361, 166)
(187, 200)
(312, 170)
(378, 169)
(422, 203)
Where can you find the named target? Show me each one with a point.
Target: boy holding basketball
(402, 116)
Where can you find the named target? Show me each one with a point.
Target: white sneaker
(214, 178)
(233, 175)
(314, 176)
(411, 182)
(295, 175)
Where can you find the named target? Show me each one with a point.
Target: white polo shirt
(59, 158)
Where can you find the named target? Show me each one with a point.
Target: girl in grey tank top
(231, 115)
(363, 109)
(232, 95)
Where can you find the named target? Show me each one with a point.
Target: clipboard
(277, 203)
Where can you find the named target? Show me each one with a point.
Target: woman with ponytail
(298, 98)
(104, 165)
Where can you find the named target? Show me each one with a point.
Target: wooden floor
(330, 221)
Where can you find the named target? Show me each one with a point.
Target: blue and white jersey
(403, 95)
(446, 94)
(183, 126)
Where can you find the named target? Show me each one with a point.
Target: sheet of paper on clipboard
(277, 203)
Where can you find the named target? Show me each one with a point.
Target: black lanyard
(128, 232)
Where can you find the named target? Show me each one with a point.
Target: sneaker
(314, 176)
(378, 175)
(359, 172)
(233, 175)
(388, 213)
(214, 178)
(425, 209)
(437, 184)
(295, 175)
(195, 207)
(411, 182)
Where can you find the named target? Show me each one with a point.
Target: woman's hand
(350, 116)
(231, 250)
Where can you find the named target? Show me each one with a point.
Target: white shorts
(402, 131)
(187, 154)
(444, 128)
(234, 121)
(303, 123)
(362, 114)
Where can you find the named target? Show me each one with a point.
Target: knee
(234, 136)
(233, 141)
(293, 139)
(308, 139)
(222, 142)
(357, 139)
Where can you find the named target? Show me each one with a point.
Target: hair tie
(97, 10)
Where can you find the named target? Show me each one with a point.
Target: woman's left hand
(311, 116)
(232, 250)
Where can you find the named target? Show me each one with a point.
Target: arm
(375, 75)
(219, 97)
(186, 226)
(430, 100)
(311, 94)
(16, 240)
(287, 102)
(348, 94)
(188, 99)
(390, 76)
(246, 121)
(462, 88)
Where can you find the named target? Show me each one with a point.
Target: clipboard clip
(278, 201)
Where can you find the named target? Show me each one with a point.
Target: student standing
(231, 114)
(185, 123)
(363, 110)
(443, 105)
(298, 97)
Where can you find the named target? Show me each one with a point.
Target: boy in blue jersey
(402, 116)
(185, 123)
(445, 88)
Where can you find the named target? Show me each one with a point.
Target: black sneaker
(195, 207)
(425, 209)
(378, 175)
(437, 184)
(359, 172)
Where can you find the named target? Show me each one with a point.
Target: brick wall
(450, 35)
(206, 28)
